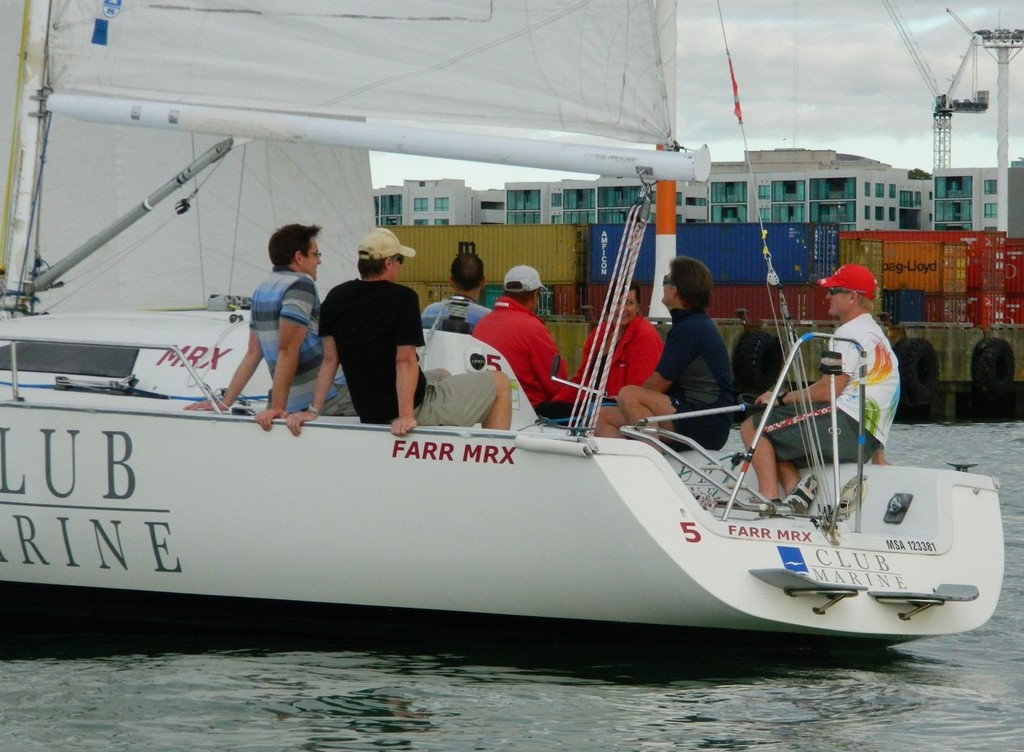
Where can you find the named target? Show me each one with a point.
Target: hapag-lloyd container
(985, 255)
(732, 251)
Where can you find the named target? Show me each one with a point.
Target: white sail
(579, 66)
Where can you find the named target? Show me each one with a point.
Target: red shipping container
(986, 307)
(1015, 308)
(805, 302)
(565, 299)
(945, 309)
(1014, 266)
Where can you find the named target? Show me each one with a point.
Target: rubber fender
(992, 367)
(757, 361)
(919, 371)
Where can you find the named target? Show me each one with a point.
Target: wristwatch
(313, 411)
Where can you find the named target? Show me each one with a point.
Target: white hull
(134, 494)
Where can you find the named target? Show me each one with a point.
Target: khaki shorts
(785, 432)
(339, 404)
(462, 400)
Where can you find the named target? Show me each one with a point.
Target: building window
(765, 213)
(577, 217)
(952, 211)
(696, 201)
(867, 190)
(879, 213)
(892, 213)
(892, 190)
(440, 221)
(729, 213)
(729, 193)
(556, 200)
(524, 200)
(787, 212)
(991, 211)
(954, 186)
(619, 195)
(834, 212)
(420, 204)
(764, 193)
(440, 204)
(991, 187)
(523, 217)
(830, 189)
(879, 190)
(390, 203)
(787, 190)
(421, 221)
(582, 198)
(867, 212)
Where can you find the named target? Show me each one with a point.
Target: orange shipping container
(913, 265)
(554, 251)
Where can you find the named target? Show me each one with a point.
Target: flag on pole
(735, 92)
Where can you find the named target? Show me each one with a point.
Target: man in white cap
(514, 329)
(371, 325)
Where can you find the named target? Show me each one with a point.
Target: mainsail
(545, 67)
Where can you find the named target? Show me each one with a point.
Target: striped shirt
(290, 296)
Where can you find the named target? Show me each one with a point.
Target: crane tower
(944, 105)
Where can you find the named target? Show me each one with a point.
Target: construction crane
(943, 104)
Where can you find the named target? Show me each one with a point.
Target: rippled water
(162, 693)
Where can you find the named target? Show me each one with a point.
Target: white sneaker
(800, 498)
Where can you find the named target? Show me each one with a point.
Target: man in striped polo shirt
(283, 331)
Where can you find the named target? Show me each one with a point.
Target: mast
(24, 166)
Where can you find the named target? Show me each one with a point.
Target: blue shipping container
(603, 250)
(800, 252)
(904, 305)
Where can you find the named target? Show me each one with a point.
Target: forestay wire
(590, 392)
(783, 322)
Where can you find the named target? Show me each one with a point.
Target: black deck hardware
(922, 601)
(962, 467)
(794, 584)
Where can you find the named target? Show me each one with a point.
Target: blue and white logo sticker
(793, 559)
(112, 7)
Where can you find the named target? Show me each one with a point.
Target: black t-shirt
(369, 320)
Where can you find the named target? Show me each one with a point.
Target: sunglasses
(317, 254)
(667, 280)
(839, 290)
(399, 258)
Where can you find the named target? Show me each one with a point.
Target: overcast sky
(830, 74)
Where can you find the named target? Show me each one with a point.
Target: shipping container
(904, 305)
(732, 251)
(985, 251)
(986, 307)
(1014, 308)
(603, 244)
(1013, 266)
(805, 302)
(941, 308)
(566, 299)
(555, 251)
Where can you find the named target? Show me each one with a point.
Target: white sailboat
(115, 503)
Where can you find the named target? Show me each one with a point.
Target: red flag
(735, 94)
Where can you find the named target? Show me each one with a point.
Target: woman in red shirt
(636, 354)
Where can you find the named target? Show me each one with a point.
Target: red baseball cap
(853, 277)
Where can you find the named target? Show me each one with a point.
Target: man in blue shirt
(694, 371)
(467, 279)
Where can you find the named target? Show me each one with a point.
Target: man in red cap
(851, 295)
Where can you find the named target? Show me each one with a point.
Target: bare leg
(609, 419)
(789, 476)
(500, 414)
(763, 461)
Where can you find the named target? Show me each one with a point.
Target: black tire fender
(992, 367)
(919, 371)
(757, 361)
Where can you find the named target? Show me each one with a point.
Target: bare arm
(290, 337)
(246, 368)
(658, 383)
(407, 374)
(819, 391)
(324, 380)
